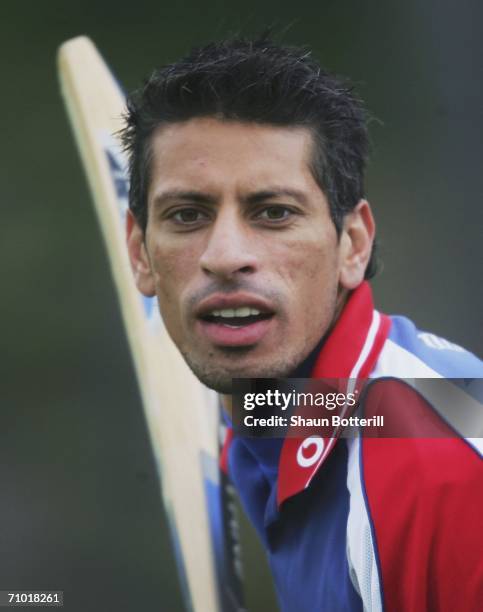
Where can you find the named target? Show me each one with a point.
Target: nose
(230, 249)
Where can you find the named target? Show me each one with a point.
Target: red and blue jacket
(376, 524)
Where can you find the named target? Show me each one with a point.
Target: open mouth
(237, 325)
(236, 317)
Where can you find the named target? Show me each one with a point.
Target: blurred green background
(80, 508)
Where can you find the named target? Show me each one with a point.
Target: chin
(219, 376)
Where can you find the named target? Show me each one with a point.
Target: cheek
(308, 265)
(309, 272)
(171, 268)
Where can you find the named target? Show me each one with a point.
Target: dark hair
(262, 82)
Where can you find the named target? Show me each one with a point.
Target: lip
(219, 301)
(221, 334)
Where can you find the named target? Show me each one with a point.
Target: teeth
(229, 313)
(244, 311)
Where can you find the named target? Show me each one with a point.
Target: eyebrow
(183, 195)
(256, 197)
(274, 193)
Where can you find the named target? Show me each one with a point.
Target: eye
(275, 213)
(188, 216)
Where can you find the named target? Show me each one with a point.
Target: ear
(356, 242)
(138, 256)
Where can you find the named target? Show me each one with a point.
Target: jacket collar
(350, 352)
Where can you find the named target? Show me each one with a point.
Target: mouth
(236, 317)
(234, 320)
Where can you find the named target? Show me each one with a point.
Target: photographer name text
(300, 421)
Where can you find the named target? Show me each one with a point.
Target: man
(248, 222)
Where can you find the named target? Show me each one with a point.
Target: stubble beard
(220, 378)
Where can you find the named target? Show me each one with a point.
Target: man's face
(240, 248)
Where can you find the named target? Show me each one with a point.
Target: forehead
(209, 153)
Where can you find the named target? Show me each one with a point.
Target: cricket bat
(181, 414)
